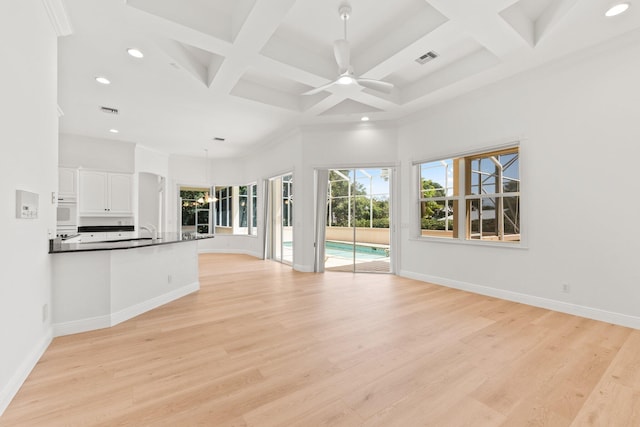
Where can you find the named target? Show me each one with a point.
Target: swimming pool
(345, 250)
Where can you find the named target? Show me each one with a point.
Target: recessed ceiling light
(103, 80)
(617, 9)
(114, 130)
(136, 53)
(364, 118)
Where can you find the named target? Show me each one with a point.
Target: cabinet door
(120, 235)
(120, 194)
(93, 237)
(67, 182)
(93, 192)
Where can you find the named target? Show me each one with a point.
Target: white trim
(549, 304)
(303, 268)
(470, 242)
(512, 143)
(230, 251)
(148, 305)
(58, 17)
(81, 325)
(18, 378)
(108, 320)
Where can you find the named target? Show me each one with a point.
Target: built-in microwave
(67, 213)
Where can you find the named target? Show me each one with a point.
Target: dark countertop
(105, 228)
(57, 246)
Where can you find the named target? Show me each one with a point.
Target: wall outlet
(169, 279)
(45, 312)
(566, 288)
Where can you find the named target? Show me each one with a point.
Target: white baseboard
(143, 307)
(81, 325)
(550, 304)
(298, 267)
(230, 251)
(106, 321)
(8, 393)
(303, 268)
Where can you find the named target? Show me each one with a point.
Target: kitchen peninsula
(100, 284)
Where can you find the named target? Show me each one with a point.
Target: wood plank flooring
(262, 345)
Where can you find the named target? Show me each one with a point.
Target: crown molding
(58, 17)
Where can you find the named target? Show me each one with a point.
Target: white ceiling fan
(342, 53)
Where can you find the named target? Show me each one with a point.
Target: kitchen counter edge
(60, 247)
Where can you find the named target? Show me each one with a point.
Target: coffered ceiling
(236, 69)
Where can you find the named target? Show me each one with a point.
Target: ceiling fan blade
(343, 56)
(378, 85)
(319, 89)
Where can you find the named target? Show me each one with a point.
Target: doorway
(195, 211)
(358, 223)
(280, 247)
(151, 201)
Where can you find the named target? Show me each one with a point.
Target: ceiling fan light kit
(342, 53)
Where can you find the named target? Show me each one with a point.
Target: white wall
(272, 160)
(96, 153)
(301, 152)
(578, 122)
(151, 161)
(28, 161)
(351, 145)
(149, 199)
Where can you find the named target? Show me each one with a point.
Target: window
(224, 211)
(195, 210)
(287, 200)
(236, 209)
(253, 230)
(476, 197)
(243, 199)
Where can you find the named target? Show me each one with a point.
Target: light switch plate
(26, 205)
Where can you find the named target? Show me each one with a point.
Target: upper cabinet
(104, 193)
(119, 193)
(67, 182)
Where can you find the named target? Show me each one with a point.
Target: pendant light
(206, 198)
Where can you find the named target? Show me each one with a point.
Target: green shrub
(435, 224)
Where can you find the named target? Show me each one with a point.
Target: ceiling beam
(260, 24)
(482, 21)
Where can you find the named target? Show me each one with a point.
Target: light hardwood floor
(262, 345)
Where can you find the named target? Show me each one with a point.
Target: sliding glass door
(281, 219)
(357, 234)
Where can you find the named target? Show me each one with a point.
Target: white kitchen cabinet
(67, 182)
(120, 189)
(88, 237)
(120, 235)
(105, 193)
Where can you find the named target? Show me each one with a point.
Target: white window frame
(462, 221)
(234, 200)
(228, 223)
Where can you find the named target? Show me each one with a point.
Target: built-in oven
(67, 216)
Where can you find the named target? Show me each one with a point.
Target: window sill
(485, 243)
